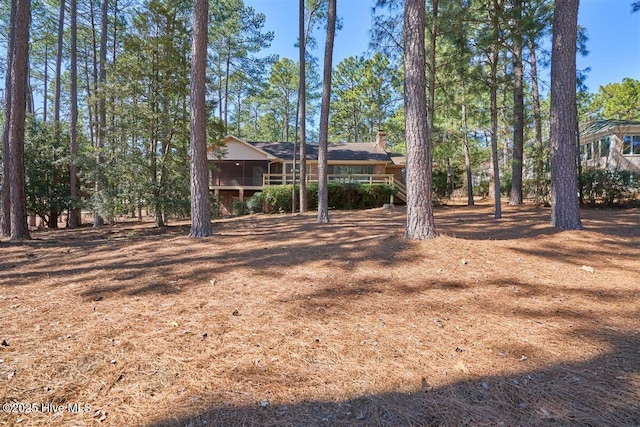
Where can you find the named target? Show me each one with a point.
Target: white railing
(283, 179)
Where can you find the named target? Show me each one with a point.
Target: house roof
(349, 151)
(601, 125)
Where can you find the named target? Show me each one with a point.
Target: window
(289, 168)
(604, 147)
(349, 169)
(589, 151)
(631, 144)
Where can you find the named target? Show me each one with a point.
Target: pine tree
(200, 210)
(565, 208)
(323, 191)
(19, 65)
(420, 223)
(74, 211)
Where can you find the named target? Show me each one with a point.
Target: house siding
(239, 151)
(590, 145)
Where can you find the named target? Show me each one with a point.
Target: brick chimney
(381, 140)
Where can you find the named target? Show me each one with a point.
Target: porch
(270, 179)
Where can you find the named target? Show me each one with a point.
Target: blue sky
(614, 35)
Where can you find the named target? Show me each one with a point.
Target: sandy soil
(277, 320)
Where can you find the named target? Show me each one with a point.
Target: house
(244, 168)
(611, 144)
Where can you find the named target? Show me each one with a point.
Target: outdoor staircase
(402, 191)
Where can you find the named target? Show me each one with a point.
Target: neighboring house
(611, 144)
(247, 167)
(604, 144)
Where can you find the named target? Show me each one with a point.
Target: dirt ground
(277, 320)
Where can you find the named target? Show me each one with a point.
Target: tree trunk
(495, 171)
(114, 47)
(538, 168)
(323, 190)
(578, 160)
(467, 157)
(92, 85)
(286, 119)
(46, 84)
(19, 75)
(56, 96)
(565, 208)
(5, 219)
(219, 90)
(494, 113)
(30, 102)
(52, 223)
(89, 92)
(74, 212)
(226, 92)
(302, 105)
(431, 100)
(518, 111)
(162, 186)
(98, 219)
(420, 223)
(200, 210)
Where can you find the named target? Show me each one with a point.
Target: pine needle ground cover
(277, 320)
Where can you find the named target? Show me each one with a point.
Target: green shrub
(214, 206)
(341, 196)
(506, 179)
(376, 195)
(312, 195)
(481, 189)
(601, 186)
(239, 208)
(277, 198)
(539, 190)
(255, 204)
(442, 178)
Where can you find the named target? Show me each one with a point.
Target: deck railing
(402, 190)
(283, 179)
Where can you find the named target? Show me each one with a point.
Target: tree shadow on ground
(525, 221)
(326, 301)
(603, 391)
(88, 255)
(268, 246)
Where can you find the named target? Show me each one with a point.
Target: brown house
(247, 167)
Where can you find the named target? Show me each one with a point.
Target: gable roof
(344, 151)
(246, 147)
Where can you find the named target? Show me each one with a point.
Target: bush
(359, 196)
(506, 179)
(214, 206)
(312, 195)
(277, 198)
(601, 186)
(376, 195)
(341, 196)
(442, 181)
(255, 204)
(239, 208)
(539, 190)
(481, 189)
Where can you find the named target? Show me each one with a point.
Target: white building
(611, 144)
